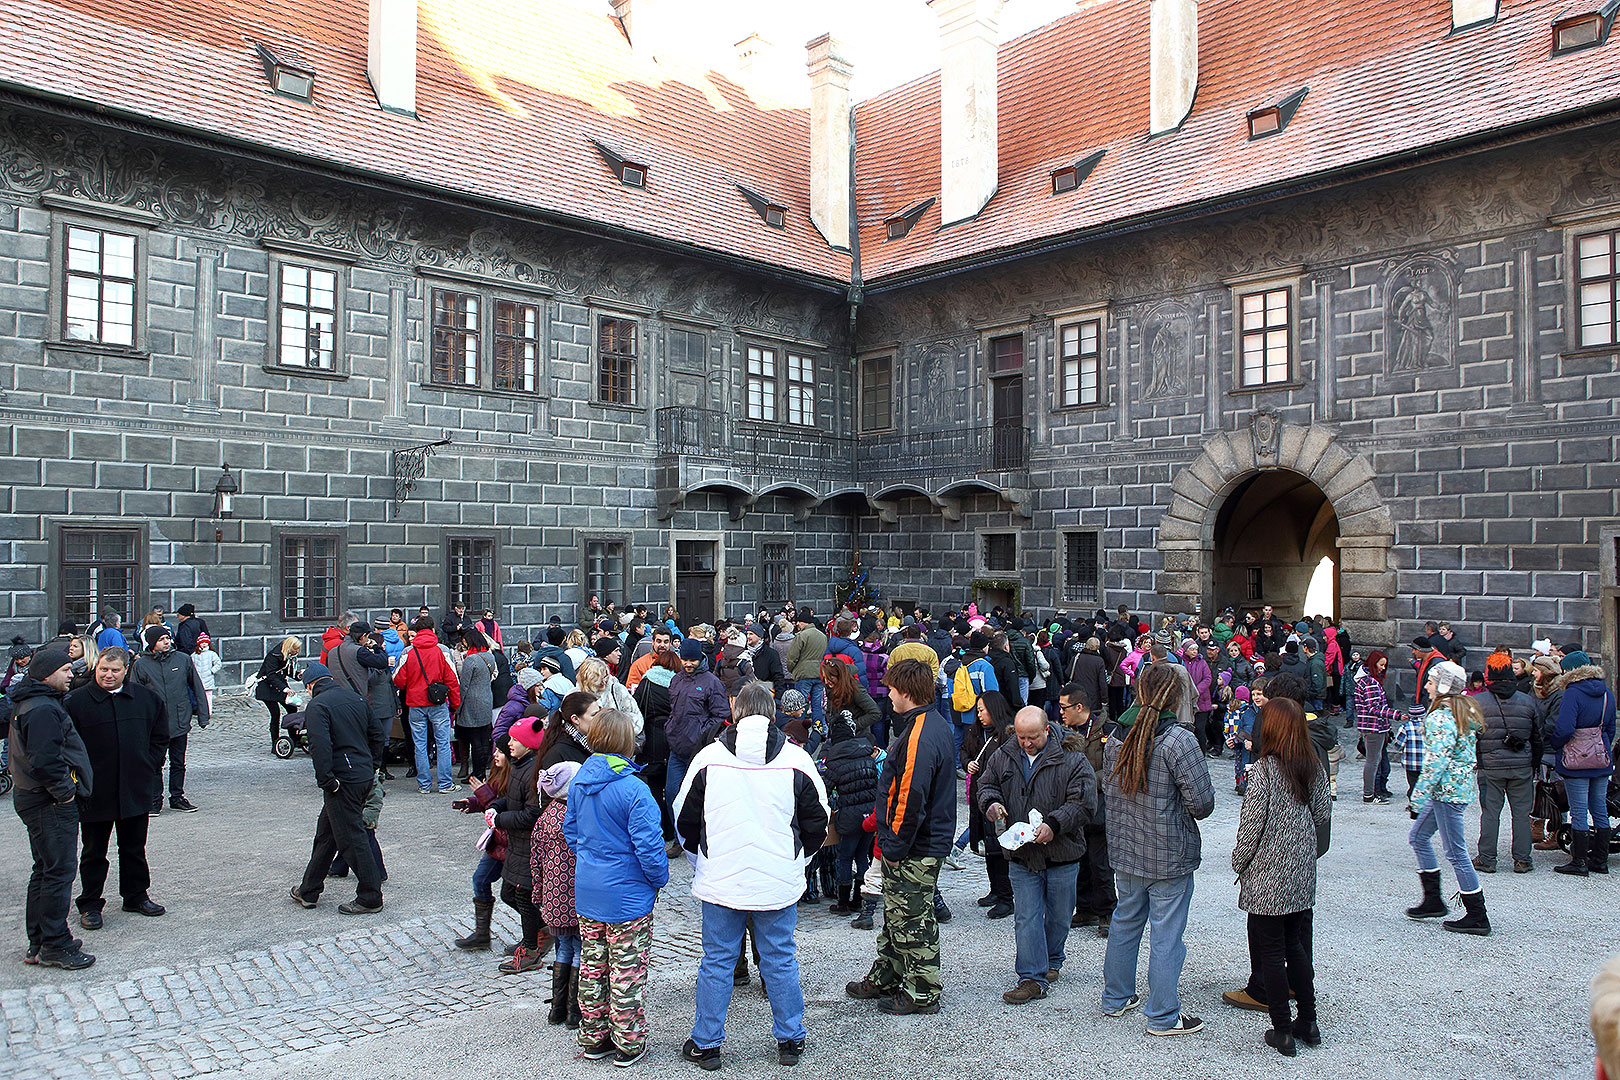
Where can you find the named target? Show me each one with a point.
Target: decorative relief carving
(1265, 429)
(1420, 313)
(1166, 350)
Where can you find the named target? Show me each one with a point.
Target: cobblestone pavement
(238, 980)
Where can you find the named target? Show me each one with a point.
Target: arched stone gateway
(1366, 530)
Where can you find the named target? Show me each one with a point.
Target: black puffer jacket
(516, 813)
(1510, 742)
(1091, 672)
(1061, 786)
(853, 776)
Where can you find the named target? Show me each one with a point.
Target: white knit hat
(1450, 678)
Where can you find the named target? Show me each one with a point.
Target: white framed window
(307, 307)
(801, 389)
(761, 383)
(1266, 333)
(1080, 363)
(517, 346)
(99, 285)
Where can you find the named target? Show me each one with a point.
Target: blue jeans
(673, 776)
(1447, 819)
(854, 857)
(1587, 794)
(1043, 904)
(439, 717)
(778, 966)
(816, 694)
(485, 875)
(1163, 905)
(568, 947)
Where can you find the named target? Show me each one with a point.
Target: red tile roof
(1386, 77)
(508, 93)
(511, 91)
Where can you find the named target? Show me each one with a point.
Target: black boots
(811, 893)
(868, 906)
(1597, 851)
(561, 980)
(1432, 906)
(1475, 921)
(844, 905)
(1283, 1041)
(479, 938)
(824, 866)
(1577, 865)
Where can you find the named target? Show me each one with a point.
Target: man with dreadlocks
(1156, 785)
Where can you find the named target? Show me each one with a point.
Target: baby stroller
(1552, 803)
(292, 737)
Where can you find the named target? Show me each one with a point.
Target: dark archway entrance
(1271, 534)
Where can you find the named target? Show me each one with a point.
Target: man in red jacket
(424, 675)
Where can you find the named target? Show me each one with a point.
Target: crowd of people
(793, 758)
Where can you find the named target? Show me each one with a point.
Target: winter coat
(1154, 833)
(1007, 675)
(125, 736)
(1274, 855)
(111, 637)
(852, 780)
(552, 868)
(805, 654)
(877, 664)
(482, 798)
(421, 664)
(1332, 655)
(1023, 653)
(346, 742)
(1294, 664)
(207, 665)
(1315, 676)
(393, 645)
(365, 671)
(733, 667)
(652, 697)
(1509, 745)
(1091, 672)
(176, 683)
(1448, 762)
(614, 696)
(1061, 785)
(567, 745)
(273, 676)
(916, 807)
(1187, 707)
(477, 679)
(185, 634)
(516, 812)
(46, 751)
(1373, 710)
(862, 709)
(331, 638)
(769, 668)
(1242, 669)
(1202, 679)
(851, 652)
(751, 811)
(613, 827)
(697, 706)
(1587, 702)
(517, 702)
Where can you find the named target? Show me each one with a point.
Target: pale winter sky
(888, 41)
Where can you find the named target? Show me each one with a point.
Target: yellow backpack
(964, 698)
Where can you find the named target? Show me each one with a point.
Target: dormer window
(290, 75)
(1583, 25)
(770, 211)
(900, 224)
(631, 173)
(1271, 119)
(1069, 177)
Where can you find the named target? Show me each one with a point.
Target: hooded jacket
(515, 813)
(1154, 833)
(876, 665)
(1202, 679)
(330, 640)
(393, 644)
(613, 827)
(697, 705)
(47, 754)
(851, 774)
(805, 654)
(1587, 702)
(1061, 785)
(125, 735)
(916, 806)
(174, 679)
(850, 651)
(768, 667)
(421, 664)
(1510, 742)
(751, 811)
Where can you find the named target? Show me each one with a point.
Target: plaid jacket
(1373, 712)
(1154, 833)
(1409, 741)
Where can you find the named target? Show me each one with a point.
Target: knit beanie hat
(794, 701)
(840, 727)
(187, 610)
(154, 634)
(1450, 678)
(606, 647)
(1241, 693)
(530, 677)
(691, 649)
(527, 731)
(204, 639)
(1499, 663)
(1571, 661)
(20, 649)
(48, 661)
(978, 640)
(555, 780)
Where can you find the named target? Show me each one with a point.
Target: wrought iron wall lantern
(410, 465)
(225, 494)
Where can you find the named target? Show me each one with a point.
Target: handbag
(1586, 750)
(437, 692)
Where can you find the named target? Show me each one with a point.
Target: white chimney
(1174, 65)
(649, 31)
(1466, 13)
(967, 105)
(391, 54)
(829, 139)
(750, 51)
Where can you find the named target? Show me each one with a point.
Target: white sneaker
(954, 860)
(1133, 1002)
(1184, 1025)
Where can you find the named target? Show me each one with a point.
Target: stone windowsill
(305, 373)
(1267, 388)
(96, 348)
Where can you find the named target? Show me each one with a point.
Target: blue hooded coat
(613, 827)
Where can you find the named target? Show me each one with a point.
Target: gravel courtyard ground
(238, 980)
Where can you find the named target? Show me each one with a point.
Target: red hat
(203, 639)
(527, 731)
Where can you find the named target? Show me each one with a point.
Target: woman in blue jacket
(613, 827)
(1587, 703)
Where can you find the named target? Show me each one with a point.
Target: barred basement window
(761, 383)
(309, 577)
(1256, 589)
(1080, 364)
(877, 393)
(307, 297)
(801, 389)
(1267, 337)
(454, 348)
(517, 346)
(616, 360)
(99, 285)
(604, 570)
(1000, 553)
(775, 571)
(469, 576)
(1598, 282)
(1082, 567)
(98, 569)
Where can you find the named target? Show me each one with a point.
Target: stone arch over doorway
(1187, 539)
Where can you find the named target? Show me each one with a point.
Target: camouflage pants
(908, 944)
(613, 981)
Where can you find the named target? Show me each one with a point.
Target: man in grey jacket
(170, 674)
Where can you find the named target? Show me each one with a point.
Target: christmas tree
(854, 591)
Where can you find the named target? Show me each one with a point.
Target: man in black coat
(185, 635)
(768, 666)
(1090, 671)
(125, 734)
(346, 744)
(50, 766)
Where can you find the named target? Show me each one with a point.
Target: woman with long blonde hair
(593, 677)
(1445, 788)
(275, 676)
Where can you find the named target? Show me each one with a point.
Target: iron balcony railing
(685, 431)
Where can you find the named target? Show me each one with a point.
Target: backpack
(964, 698)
